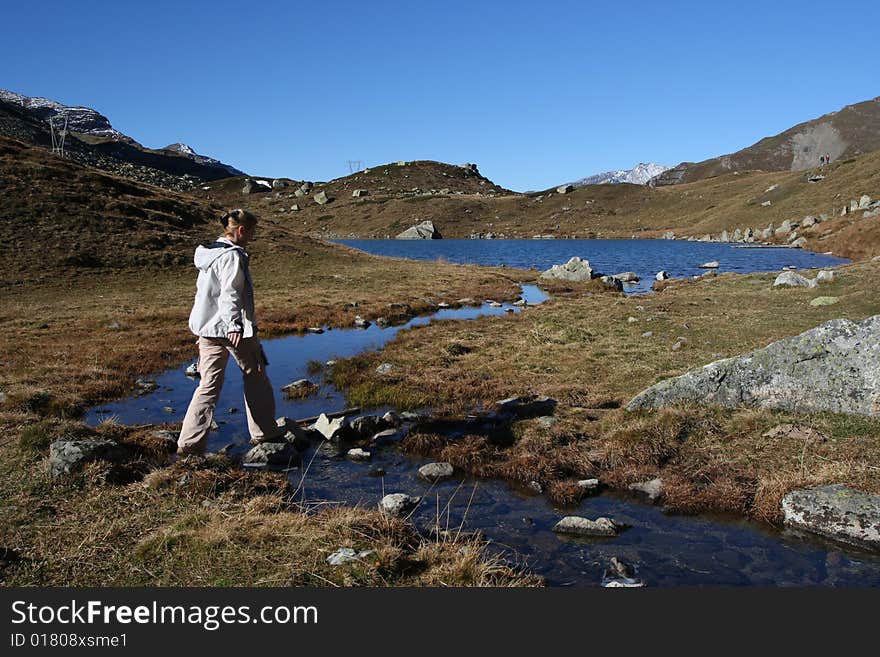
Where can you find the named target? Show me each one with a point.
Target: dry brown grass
(581, 350)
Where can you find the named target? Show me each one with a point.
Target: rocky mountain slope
(93, 140)
(851, 131)
(638, 175)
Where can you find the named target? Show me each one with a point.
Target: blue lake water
(666, 550)
(645, 257)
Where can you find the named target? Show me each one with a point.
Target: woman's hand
(234, 338)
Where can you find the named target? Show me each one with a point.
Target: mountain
(93, 140)
(851, 131)
(638, 175)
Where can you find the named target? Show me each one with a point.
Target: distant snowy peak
(638, 175)
(189, 152)
(84, 120)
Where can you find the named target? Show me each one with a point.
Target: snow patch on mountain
(79, 119)
(189, 152)
(638, 175)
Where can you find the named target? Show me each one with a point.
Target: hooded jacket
(224, 292)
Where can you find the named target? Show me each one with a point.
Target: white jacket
(224, 292)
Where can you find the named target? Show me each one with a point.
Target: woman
(223, 318)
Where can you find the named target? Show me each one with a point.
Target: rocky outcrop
(834, 367)
(423, 231)
(69, 456)
(837, 512)
(575, 269)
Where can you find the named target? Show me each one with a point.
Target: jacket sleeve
(230, 273)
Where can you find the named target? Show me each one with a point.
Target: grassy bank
(593, 352)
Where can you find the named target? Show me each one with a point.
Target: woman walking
(223, 318)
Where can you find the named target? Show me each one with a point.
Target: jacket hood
(206, 255)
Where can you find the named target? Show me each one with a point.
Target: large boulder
(793, 279)
(525, 407)
(423, 231)
(69, 456)
(575, 269)
(833, 367)
(837, 512)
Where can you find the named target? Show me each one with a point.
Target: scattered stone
(388, 436)
(578, 526)
(494, 304)
(808, 221)
(825, 276)
(146, 385)
(168, 438)
(299, 389)
(575, 269)
(398, 504)
(115, 326)
(632, 320)
(282, 455)
(294, 207)
(799, 243)
(589, 485)
(436, 471)
(771, 188)
(669, 235)
(528, 406)
(610, 281)
(833, 367)
(864, 202)
(627, 277)
(321, 198)
(423, 231)
(621, 575)
(793, 279)
(795, 432)
(357, 454)
(564, 189)
(192, 369)
(677, 345)
(168, 410)
(535, 487)
(346, 555)
(69, 456)
(328, 428)
(358, 193)
(317, 330)
(360, 322)
(710, 265)
(648, 334)
(766, 204)
(662, 275)
(824, 301)
(837, 512)
(384, 368)
(652, 488)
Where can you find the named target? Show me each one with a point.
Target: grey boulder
(833, 367)
(69, 456)
(436, 471)
(275, 454)
(578, 526)
(575, 269)
(398, 504)
(423, 231)
(837, 512)
(793, 279)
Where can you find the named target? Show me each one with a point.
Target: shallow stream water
(666, 550)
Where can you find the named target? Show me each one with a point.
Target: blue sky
(535, 93)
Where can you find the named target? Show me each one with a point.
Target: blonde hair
(235, 218)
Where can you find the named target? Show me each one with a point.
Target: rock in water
(398, 504)
(423, 231)
(575, 269)
(328, 428)
(834, 367)
(577, 526)
(837, 512)
(710, 265)
(282, 455)
(436, 471)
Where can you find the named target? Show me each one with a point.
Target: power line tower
(355, 165)
(59, 133)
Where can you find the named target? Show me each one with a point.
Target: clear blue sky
(535, 93)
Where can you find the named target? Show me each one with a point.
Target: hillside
(93, 141)
(852, 131)
(707, 207)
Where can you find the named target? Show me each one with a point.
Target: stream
(667, 550)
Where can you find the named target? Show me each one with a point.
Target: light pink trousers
(259, 398)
